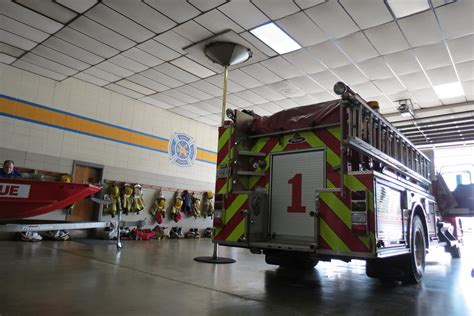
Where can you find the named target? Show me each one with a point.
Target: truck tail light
(359, 224)
(218, 222)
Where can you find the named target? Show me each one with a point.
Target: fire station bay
(237, 157)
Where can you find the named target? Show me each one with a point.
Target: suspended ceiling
(146, 50)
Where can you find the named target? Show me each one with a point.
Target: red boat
(27, 198)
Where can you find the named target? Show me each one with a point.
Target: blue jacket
(13, 174)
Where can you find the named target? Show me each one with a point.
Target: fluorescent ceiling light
(449, 90)
(403, 8)
(274, 37)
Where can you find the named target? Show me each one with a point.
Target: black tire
(291, 260)
(417, 257)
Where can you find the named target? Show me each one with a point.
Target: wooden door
(85, 210)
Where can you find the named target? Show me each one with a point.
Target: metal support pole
(119, 243)
(224, 94)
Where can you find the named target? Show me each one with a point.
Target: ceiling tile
(302, 29)
(304, 4)
(11, 50)
(403, 63)
(366, 90)
(462, 48)
(387, 38)
(306, 84)
(135, 87)
(455, 19)
(237, 101)
(286, 103)
(249, 37)
(22, 30)
(6, 59)
(173, 40)
(357, 47)
(433, 56)
(141, 13)
(376, 68)
(367, 13)
(86, 42)
(232, 86)
(251, 97)
(48, 64)
(244, 13)
(426, 97)
(415, 81)
(101, 33)
(216, 22)
(304, 61)
(196, 93)
(468, 87)
(269, 107)
(193, 67)
(259, 111)
(205, 5)
(29, 17)
(350, 75)
(60, 58)
(158, 50)
(161, 78)
(244, 79)
(151, 100)
(192, 31)
(180, 96)
(50, 9)
(72, 50)
(208, 107)
(99, 73)
(275, 12)
(268, 93)
(176, 73)
(147, 82)
(78, 6)
(466, 70)
(332, 18)
(286, 89)
(178, 10)
(91, 79)
(261, 73)
(38, 70)
(442, 75)
(305, 100)
(127, 63)
(281, 67)
(421, 29)
(323, 96)
(167, 99)
(329, 54)
(182, 112)
(195, 109)
(206, 120)
(120, 23)
(326, 79)
(207, 87)
(389, 86)
(16, 41)
(124, 91)
(114, 69)
(142, 57)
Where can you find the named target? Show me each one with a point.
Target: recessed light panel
(274, 37)
(449, 90)
(403, 8)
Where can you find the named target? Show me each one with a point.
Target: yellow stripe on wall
(42, 115)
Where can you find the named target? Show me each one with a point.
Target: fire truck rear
(334, 180)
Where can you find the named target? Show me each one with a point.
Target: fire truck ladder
(374, 136)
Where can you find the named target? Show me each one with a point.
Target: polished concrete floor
(161, 278)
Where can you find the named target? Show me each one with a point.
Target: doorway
(85, 209)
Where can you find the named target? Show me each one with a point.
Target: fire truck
(333, 180)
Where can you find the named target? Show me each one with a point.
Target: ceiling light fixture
(276, 38)
(405, 107)
(402, 8)
(449, 90)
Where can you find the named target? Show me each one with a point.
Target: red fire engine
(334, 180)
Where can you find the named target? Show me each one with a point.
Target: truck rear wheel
(417, 257)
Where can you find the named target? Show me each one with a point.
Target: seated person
(8, 170)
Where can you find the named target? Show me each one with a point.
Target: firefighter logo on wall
(182, 150)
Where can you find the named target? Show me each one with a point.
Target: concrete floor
(161, 278)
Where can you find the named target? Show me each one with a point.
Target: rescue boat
(21, 198)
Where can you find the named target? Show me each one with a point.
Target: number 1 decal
(296, 206)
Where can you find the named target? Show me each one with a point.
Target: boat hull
(27, 198)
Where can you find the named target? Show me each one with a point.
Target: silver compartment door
(295, 176)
